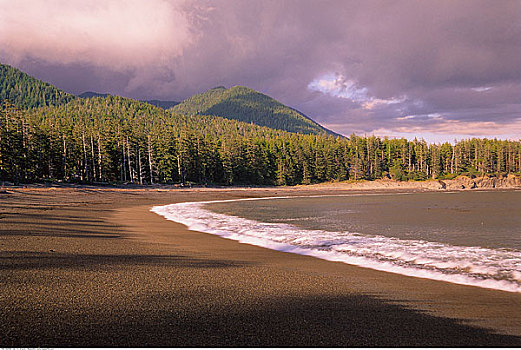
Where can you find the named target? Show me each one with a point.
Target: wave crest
(476, 266)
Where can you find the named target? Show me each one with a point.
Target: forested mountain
(162, 104)
(25, 91)
(247, 105)
(114, 139)
(157, 103)
(239, 103)
(91, 94)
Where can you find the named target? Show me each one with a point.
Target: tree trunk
(94, 175)
(452, 161)
(85, 169)
(140, 174)
(123, 164)
(64, 159)
(131, 174)
(410, 158)
(150, 160)
(99, 157)
(179, 169)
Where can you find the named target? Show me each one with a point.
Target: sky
(438, 70)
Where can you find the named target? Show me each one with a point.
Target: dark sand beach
(94, 267)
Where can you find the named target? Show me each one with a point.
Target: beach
(87, 266)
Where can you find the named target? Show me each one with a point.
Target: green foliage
(157, 103)
(91, 94)
(448, 176)
(118, 139)
(247, 105)
(115, 139)
(25, 91)
(162, 104)
(396, 172)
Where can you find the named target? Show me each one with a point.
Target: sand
(94, 267)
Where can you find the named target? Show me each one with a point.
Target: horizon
(441, 72)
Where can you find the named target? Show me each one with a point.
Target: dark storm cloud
(451, 68)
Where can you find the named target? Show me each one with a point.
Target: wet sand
(94, 267)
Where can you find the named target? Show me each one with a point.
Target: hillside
(161, 103)
(91, 94)
(114, 139)
(118, 139)
(24, 91)
(247, 105)
(237, 103)
(157, 103)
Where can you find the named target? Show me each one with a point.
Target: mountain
(237, 103)
(24, 91)
(91, 94)
(162, 104)
(116, 139)
(157, 103)
(247, 105)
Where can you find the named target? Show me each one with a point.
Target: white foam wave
(476, 266)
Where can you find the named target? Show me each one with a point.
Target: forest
(250, 106)
(25, 91)
(119, 140)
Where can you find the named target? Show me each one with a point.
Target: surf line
(196, 218)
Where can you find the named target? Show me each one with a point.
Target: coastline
(460, 183)
(97, 268)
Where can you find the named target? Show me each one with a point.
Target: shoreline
(96, 266)
(196, 216)
(460, 183)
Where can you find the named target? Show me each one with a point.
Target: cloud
(115, 34)
(357, 65)
(338, 86)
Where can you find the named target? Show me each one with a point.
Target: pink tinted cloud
(459, 59)
(449, 130)
(115, 34)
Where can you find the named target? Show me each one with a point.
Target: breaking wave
(476, 266)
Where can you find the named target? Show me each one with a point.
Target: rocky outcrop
(460, 183)
(463, 182)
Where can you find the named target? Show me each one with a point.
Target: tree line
(119, 140)
(25, 91)
(250, 106)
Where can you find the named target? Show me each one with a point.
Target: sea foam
(476, 266)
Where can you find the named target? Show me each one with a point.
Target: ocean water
(471, 238)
